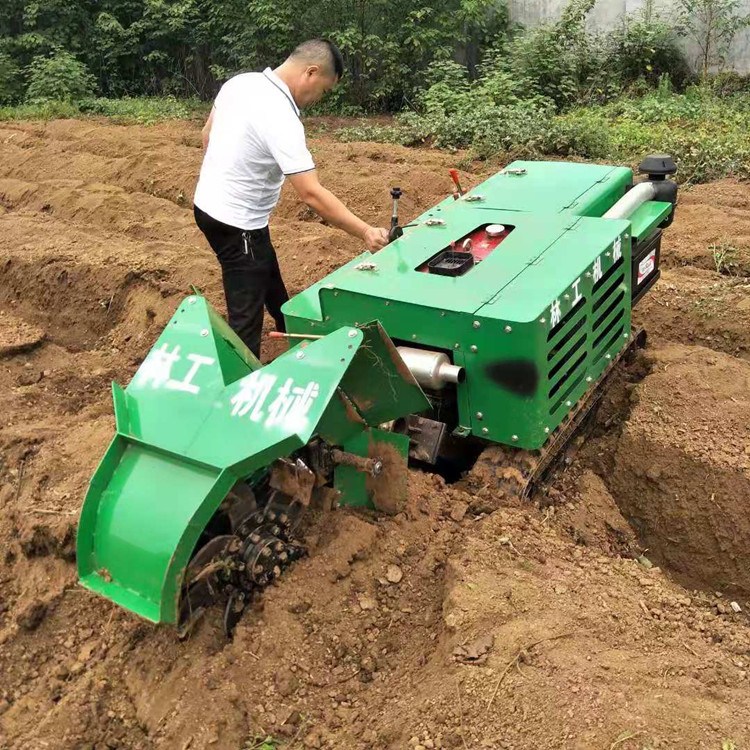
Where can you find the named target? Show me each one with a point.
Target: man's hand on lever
(328, 206)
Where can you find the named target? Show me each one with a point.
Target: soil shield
(440, 627)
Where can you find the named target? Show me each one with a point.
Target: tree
(713, 26)
(59, 78)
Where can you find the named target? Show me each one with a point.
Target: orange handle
(454, 176)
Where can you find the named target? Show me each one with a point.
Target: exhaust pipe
(431, 369)
(633, 199)
(657, 167)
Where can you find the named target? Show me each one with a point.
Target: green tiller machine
(482, 332)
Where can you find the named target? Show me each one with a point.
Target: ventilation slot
(605, 294)
(560, 343)
(561, 383)
(611, 307)
(616, 335)
(563, 360)
(615, 322)
(561, 326)
(571, 387)
(607, 276)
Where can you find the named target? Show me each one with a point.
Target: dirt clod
(458, 511)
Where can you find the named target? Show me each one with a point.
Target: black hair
(321, 51)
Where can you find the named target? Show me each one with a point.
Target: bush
(58, 78)
(646, 48)
(10, 80)
(50, 110)
(143, 110)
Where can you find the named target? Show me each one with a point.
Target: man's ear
(312, 70)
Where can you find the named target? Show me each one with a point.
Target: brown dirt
(540, 626)
(682, 467)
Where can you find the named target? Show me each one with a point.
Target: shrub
(58, 78)
(10, 79)
(646, 48)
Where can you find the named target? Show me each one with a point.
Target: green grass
(126, 111)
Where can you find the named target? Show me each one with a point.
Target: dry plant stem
(515, 659)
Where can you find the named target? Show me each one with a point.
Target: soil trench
(550, 625)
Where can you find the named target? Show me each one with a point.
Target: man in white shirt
(254, 139)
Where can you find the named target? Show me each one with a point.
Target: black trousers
(251, 276)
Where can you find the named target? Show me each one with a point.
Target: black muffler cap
(657, 166)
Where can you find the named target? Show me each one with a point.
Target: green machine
(483, 331)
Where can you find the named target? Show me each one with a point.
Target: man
(254, 139)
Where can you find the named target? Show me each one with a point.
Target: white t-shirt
(256, 139)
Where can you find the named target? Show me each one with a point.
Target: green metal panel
(506, 320)
(553, 187)
(199, 415)
(648, 217)
(355, 486)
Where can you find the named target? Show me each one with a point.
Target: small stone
(735, 607)
(4, 706)
(645, 562)
(312, 740)
(394, 574)
(458, 511)
(366, 603)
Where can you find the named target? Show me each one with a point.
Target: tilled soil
(609, 613)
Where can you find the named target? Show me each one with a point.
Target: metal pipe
(431, 369)
(633, 199)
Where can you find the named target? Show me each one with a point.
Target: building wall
(607, 13)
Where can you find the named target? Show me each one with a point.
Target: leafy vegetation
(186, 47)
(562, 90)
(140, 110)
(558, 89)
(709, 135)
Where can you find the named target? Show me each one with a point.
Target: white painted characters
(617, 249)
(597, 269)
(555, 313)
(158, 367)
(256, 399)
(289, 407)
(597, 273)
(252, 395)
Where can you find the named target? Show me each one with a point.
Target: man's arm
(327, 205)
(207, 128)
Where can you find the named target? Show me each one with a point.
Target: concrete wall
(607, 13)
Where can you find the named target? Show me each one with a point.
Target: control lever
(454, 176)
(396, 231)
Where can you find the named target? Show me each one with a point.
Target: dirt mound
(713, 231)
(682, 471)
(440, 627)
(694, 306)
